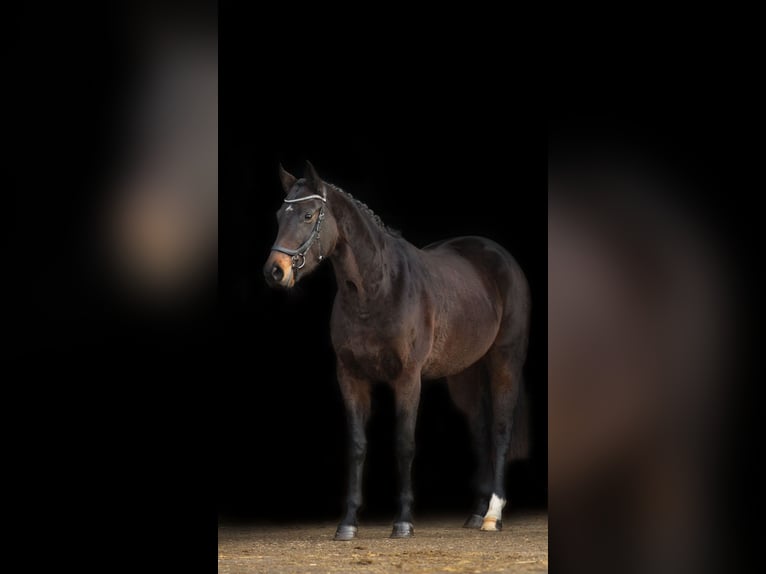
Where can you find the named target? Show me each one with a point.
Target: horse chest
(372, 362)
(371, 353)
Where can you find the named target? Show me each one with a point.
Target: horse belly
(461, 340)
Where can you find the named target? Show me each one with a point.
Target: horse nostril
(277, 273)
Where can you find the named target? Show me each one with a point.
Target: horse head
(307, 230)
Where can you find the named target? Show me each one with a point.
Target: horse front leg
(407, 397)
(356, 396)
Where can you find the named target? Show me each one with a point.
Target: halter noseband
(300, 254)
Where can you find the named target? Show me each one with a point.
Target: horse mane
(364, 208)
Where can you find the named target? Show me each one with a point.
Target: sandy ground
(439, 545)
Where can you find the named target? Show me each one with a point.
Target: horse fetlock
(492, 520)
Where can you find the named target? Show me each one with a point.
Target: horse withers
(457, 309)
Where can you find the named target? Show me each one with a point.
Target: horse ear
(313, 179)
(287, 179)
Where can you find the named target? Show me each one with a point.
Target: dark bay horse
(457, 309)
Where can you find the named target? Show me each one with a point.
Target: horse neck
(363, 254)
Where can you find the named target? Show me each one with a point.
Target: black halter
(299, 254)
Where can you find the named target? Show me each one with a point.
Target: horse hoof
(474, 521)
(491, 525)
(403, 530)
(346, 532)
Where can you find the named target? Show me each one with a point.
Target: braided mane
(367, 210)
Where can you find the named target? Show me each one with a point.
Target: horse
(457, 309)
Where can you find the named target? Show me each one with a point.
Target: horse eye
(308, 215)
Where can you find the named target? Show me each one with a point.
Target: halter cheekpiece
(299, 255)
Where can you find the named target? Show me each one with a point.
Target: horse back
(499, 272)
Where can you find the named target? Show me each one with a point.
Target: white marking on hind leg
(494, 513)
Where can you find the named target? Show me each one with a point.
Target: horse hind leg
(505, 384)
(470, 393)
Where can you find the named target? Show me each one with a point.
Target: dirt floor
(439, 545)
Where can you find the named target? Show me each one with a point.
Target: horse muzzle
(278, 270)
